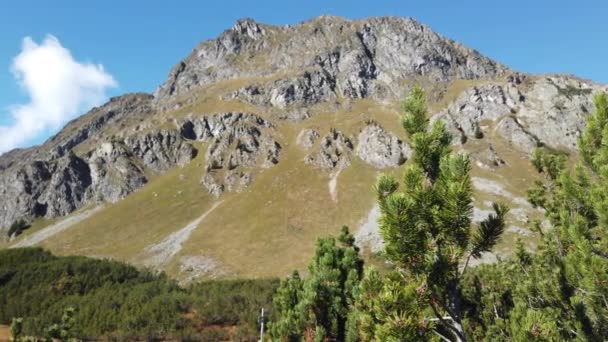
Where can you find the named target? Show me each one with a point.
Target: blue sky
(137, 42)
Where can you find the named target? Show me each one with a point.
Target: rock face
(465, 116)
(307, 138)
(114, 175)
(306, 89)
(355, 59)
(238, 143)
(86, 128)
(161, 150)
(380, 148)
(512, 130)
(547, 110)
(44, 188)
(334, 153)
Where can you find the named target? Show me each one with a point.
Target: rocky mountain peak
(370, 55)
(248, 27)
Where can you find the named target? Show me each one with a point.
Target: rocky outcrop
(334, 153)
(488, 158)
(44, 189)
(307, 89)
(556, 109)
(114, 174)
(67, 189)
(161, 150)
(526, 113)
(239, 142)
(512, 131)
(307, 138)
(381, 149)
(354, 58)
(466, 115)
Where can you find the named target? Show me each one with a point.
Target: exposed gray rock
(497, 189)
(488, 158)
(307, 138)
(161, 150)
(307, 89)
(334, 153)
(368, 234)
(511, 130)
(546, 110)
(466, 115)
(213, 186)
(89, 127)
(68, 187)
(381, 149)
(556, 109)
(239, 142)
(47, 189)
(205, 128)
(361, 58)
(113, 172)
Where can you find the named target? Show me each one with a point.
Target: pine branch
(489, 231)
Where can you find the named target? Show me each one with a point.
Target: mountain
(269, 136)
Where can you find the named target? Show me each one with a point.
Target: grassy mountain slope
(267, 229)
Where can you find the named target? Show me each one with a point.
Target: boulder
(381, 149)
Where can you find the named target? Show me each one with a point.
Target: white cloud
(58, 87)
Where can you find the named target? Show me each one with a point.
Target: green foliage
(572, 263)
(62, 331)
(416, 105)
(490, 230)
(232, 302)
(288, 320)
(592, 143)
(114, 299)
(387, 309)
(560, 292)
(319, 307)
(427, 232)
(16, 328)
(17, 228)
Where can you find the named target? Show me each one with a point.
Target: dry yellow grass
(268, 229)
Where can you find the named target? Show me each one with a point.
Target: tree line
(52, 297)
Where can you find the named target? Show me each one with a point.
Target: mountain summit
(269, 136)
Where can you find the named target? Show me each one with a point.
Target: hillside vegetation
(112, 299)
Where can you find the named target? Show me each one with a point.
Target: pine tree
(559, 292)
(319, 306)
(566, 293)
(427, 225)
(288, 323)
